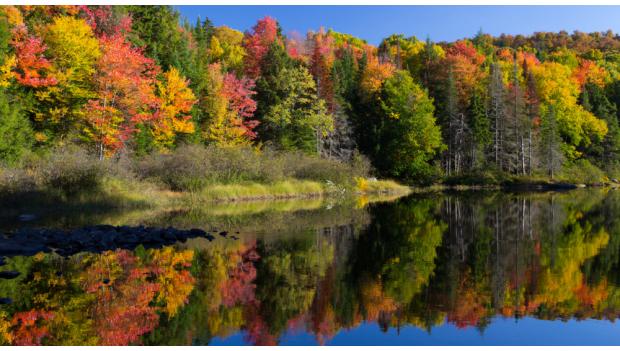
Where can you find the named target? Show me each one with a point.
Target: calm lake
(468, 268)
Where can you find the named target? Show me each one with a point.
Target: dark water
(457, 269)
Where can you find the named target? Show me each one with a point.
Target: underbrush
(194, 168)
(190, 172)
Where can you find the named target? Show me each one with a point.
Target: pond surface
(471, 268)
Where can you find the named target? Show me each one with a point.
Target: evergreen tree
(480, 127)
(497, 113)
(15, 130)
(593, 99)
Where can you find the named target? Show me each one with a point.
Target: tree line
(140, 79)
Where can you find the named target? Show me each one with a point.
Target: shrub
(192, 167)
(71, 170)
(582, 171)
(13, 180)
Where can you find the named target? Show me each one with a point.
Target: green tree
(15, 130)
(480, 127)
(593, 99)
(411, 136)
(550, 143)
(289, 110)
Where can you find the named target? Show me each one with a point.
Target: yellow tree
(173, 116)
(558, 88)
(230, 108)
(75, 50)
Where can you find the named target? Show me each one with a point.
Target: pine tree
(497, 113)
(15, 130)
(480, 127)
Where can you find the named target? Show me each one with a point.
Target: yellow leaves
(175, 284)
(177, 100)
(556, 85)
(6, 71)
(40, 137)
(215, 49)
(73, 45)
(13, 15)
(6, 337)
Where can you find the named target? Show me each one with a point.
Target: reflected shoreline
(322, 270)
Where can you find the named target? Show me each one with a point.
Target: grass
(385, 187)
(257, 191)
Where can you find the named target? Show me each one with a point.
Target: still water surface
(441, 269)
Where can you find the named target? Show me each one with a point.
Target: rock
(5, 301)
(581, 185)
(9, 274)
(224, 233)
(197, 232)
(27, 217)
(615, 180)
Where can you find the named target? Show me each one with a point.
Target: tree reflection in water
(424, 261)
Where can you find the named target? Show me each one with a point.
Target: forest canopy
(133, 80)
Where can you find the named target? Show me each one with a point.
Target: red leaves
(31, 327)
(32, 66)
(102, 21)
(239, 287)
(257, 44)
(125, 80)
(465, 49)
(589, 72)
(239, 93)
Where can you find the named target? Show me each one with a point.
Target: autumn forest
(133, 81)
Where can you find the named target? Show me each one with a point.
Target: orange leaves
(465, 50)
(464, 62)
(30, 327)
(375, 73)
(125, 79)
(32, 66)
(589, 72)
(321, 63)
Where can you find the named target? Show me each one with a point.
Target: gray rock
(9, 274)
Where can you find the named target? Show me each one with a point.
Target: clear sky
(438, 22)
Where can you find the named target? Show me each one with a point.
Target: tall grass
(191, 172)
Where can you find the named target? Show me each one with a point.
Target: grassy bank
(189, 176)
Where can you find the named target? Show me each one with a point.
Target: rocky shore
(98, 238)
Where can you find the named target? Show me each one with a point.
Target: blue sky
(439, 22)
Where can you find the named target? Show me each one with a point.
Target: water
(479, 268)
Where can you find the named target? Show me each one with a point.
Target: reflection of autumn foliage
(240, 287)
(174, 280)
(374, 300)
(114, 299)
(471, 304)
(122, 311)
(30, 327)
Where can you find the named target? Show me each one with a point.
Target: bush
(193, 167)
(14, 180)
(71, 170)
(582, 171)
